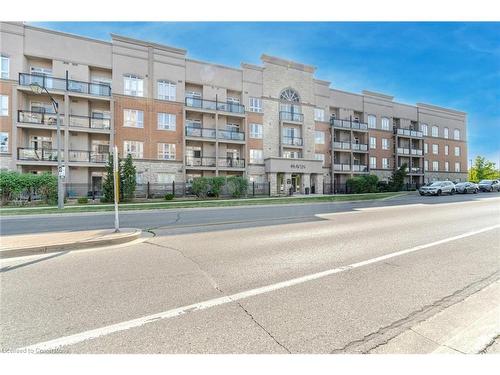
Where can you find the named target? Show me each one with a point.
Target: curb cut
(69, 246)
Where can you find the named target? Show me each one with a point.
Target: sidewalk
(469, 327)
(30, 244)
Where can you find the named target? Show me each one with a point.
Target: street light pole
(61, 171)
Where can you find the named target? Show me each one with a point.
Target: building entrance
(296, 182)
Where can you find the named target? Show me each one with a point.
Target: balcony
(342, 145)
(224, 162)
(409, 151)
(359, 147)
(348, 124)
(359, 168)
(63, 84)
(291, 117)
(31, 154)
(415, 170)
(342, 167)
(89, 122)
(292, 141)
(409, 133)
(202, 161)
(212, 105)
(230, 135)
(416, 152)
(403, 151)
(38, 118)
(200, 132)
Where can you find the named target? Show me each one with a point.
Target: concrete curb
(127, 235)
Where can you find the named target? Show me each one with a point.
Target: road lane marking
(138, 322)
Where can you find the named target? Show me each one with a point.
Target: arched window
(290, 103)
(289, 95)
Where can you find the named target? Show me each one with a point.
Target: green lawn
(196, 203)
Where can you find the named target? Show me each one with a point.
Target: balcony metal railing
(359, 168)
(291, 116)
(214, 105)
(230, 135)
(201, 161)
(416, 170)
(342, 145)
(200, 132)
(41, 154)
(409, 133)
(296, 155)
(403, 151)
(342, 167)
(348, 124)
(29, 117)
(416, 151)
(63, 84)
(89, 122)
(292, 141)
(224, 162)
(359, 147)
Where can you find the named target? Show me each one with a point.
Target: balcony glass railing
(212, 105)
(87, 157)
(203, 161)
(359, 147)
(25, 153)
(29, 117)
(403, 151)
(231, 135)
(341, 145)
(292, 141)
(89, 122)
(200, 132)
(359, 168)
(342, 167)
(348, 124)
(291, 116)
(63, 84)
(416, 151)
(409, 133)
(224, 162)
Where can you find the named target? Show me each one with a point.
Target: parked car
(466, 187)
(489, 185)
(438, 188)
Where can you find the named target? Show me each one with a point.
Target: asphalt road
(281, 300)
(190, 220)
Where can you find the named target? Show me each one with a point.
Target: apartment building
(180, 118)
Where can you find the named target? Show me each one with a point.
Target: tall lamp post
(37, 89)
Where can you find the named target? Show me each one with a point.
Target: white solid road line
(103, 331)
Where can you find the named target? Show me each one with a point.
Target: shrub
(13, 184)
(237, 186)
(397, 179)
(363, 184)
(169, 196)
(216, 184)
(200, 187)
(83, 200)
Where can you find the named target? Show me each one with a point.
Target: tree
(108, 188)
(483, 170)
(128, 175)
(397, 180)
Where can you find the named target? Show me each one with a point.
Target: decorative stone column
(305, 183)
(272, 178)
(319, 183)
(287, 182)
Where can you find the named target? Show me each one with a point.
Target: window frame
(133, 79)
(252, 107)
(425, 129)
(434, 131)
(4, 111)
(138, 153)
(4, 142)
(161, 152)
(253, 134)
(319, 114)
(4, 74)
(168, 86)
(172, 124)
(386, 140)
(374, 164)
(456, 134)
(383, 121)
(370, 125)
(137, 112)
(435, 149)
(254, 160)
(316, 133)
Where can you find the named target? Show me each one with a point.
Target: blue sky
(455, 65)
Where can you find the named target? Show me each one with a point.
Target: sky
(453, 65)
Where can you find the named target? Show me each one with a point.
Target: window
(456, 134)
(233, 100)
(166, 90)
(133, 148)
(426, 148)
(255, 104)
(373, 162)
(372, 121)
(165, 178)
(373, 143)
(289, 95)
(385, 123)
(319, 114)
(166, 151)
(166, 121)
(446, 148)
(435, 166)
(385, 144)
(457, 151)
(133, 118)
(4, 142)
(320, 157)
(4, 67)
(291, 154)
(256, 156)
(446, 133)
(256, 131)
(435, 149)
(426, 165)
(446, 166)
(133, 85)
(385, 163)
(4, 105)
(319, 137)
(425, 129)
(435, 131)
(457, 167)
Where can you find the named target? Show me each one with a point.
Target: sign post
(116, 186)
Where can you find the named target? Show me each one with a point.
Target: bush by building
(362, 184)
(15, 186)
(237, 186)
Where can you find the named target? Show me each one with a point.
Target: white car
(438, 188)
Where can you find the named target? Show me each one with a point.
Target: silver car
(438, 188)
(466, 187)
(489, 185)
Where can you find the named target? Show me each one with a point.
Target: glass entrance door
(295, 182)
